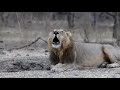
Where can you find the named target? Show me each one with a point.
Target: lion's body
(89, 54)
(83, 54)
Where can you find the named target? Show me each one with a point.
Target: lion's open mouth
(56, 43)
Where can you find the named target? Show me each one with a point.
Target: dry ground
(35, 64)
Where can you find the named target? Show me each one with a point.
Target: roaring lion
(64, 50)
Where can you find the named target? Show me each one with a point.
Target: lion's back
(89, 54)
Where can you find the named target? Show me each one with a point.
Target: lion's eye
(61, 32)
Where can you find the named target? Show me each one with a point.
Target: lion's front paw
(57, 68)
(113, 65)
(103, 65)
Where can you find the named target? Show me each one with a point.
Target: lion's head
(59, 38)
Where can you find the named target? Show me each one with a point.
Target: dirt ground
(35, 64)
(94, 73)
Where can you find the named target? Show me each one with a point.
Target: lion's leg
(59, 67)
(110, 57)
(103, 65)
(54, 59)
(113, 65)
(107, 65)
(65, 67)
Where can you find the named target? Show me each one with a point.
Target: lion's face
(58, 37)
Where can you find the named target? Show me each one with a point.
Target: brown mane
(65, 54)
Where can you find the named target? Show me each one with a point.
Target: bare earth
(35, 64)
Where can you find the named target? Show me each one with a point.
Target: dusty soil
(35, 64)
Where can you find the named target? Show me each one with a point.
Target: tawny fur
(83, 54)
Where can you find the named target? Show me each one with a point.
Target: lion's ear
(69, 34)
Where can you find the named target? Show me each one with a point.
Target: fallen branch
(29, 44)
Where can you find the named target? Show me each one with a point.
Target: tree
(4, 17)
(115, 17)
(94, 19)
(70, 19)
(116, 27)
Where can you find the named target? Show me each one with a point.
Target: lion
(63, 50)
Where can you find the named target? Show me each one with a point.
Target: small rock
(46, 54)
(3, 53)
(32, 49)
(27, 54)
(1, 41)
(1, 48)
(17, 55)
(46, 50)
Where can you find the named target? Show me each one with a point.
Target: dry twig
(28, 44)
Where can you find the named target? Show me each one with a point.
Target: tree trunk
(70, 19)
(116, 28)
(94, 20)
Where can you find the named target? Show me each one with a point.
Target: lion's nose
(55, 32)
